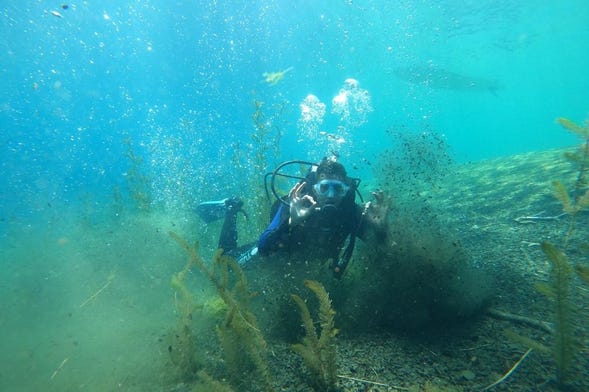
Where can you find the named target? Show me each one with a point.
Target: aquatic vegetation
(583, 272)
(244, 347)
(580, 192)
(265, 148)
(265, 143)
(182, 346)
(318, 352)
(565, 347)
(580, 201)
(206, 383)
(137, 181)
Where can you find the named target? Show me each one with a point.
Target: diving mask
(331, 189)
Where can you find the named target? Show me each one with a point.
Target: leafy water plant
(182, 345)
(137, 181)
(577, 200)
(253, 160)
(318, 351)
(268, 130)
(565, 347)
(244, 347)
(206, 383)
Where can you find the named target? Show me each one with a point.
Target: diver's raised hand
(301, 206)
(377, 210)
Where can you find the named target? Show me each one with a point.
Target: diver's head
(331, 183)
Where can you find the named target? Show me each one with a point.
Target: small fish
(55, 13)
(272, 78)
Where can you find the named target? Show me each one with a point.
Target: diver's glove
(301, 206)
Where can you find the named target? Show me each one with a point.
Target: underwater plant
(206, 383)
(580, 192)
(318, 351)
(182, 345)
(583, 272)
(265, 138)
(137, 182)
(565, 347)
(243, 346)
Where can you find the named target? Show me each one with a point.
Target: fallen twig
(98, 292)
(538, 217)
(506, 375)
(543, 325)
(59, 368)
(380, 384)
(475, 348)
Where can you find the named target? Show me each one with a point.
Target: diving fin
(210, 211)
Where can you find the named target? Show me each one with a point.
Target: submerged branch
(500, 315)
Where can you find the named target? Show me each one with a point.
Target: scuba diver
(319, 218)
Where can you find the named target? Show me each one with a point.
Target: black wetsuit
(322, 235)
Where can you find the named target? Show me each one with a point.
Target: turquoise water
(118, 117)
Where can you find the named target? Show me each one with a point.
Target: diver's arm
(269, 241)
